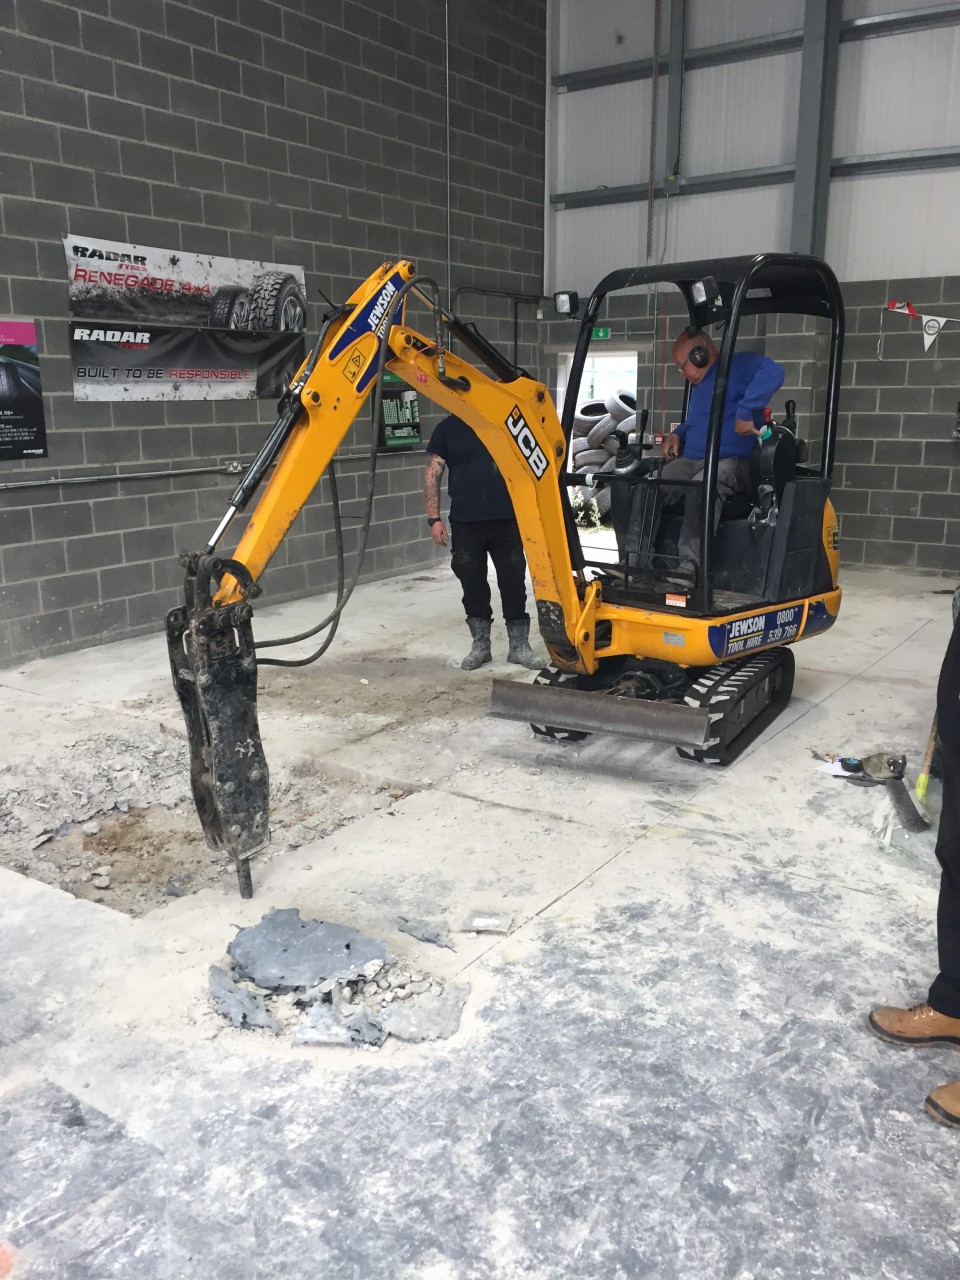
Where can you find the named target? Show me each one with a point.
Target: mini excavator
(704, 667)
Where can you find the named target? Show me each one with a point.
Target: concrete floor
(664, 1071)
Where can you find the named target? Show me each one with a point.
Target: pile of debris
(329, 984)
(41, 799)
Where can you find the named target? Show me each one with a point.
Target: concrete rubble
(488, 921)
(239, 1005)
(326, 1024)
(283, 951)
(435, 1015)
(43, 797)
(352, 991)
(424, 931)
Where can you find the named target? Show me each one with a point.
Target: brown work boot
(944, 1103)
(918, 1025)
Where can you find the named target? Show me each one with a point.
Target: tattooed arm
(431, 497)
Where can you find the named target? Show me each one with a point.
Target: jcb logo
(526, 441)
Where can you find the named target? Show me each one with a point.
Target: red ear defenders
(698, 356)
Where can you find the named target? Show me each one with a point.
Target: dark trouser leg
(469, 562)
(506, 551)
(650, 497)
(733, 475)
(945, 992)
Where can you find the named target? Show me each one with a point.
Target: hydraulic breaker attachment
(214, 666)
(585, 712)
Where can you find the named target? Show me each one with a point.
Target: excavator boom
(210, 637)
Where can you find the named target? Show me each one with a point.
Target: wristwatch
(432, 520)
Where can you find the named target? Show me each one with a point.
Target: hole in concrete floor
(109, 817)
(134, 863)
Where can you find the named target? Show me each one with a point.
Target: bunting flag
(931, 324)
(906, 307)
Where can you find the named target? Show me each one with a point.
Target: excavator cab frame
(747, 562)
(705, 672)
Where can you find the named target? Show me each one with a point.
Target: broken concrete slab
(325, 1024)
(238, 1005)
(424, 931)
(488, 921)
(283, 951)
(434, 1015)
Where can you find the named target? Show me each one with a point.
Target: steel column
(678, 26)
(818, 96)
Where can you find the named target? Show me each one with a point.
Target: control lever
(631, 453)
(766, 510)
(790, 422)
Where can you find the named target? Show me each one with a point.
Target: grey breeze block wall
(896, 482)
(276, 129)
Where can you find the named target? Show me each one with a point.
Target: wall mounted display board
(399, 414)
(22, 430)
(157, 324)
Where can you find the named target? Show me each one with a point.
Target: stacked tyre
(593, 448)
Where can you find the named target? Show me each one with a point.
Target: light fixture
(566, 304)
(705, 290)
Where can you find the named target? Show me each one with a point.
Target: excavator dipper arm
(210, 637)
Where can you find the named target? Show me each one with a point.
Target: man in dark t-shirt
(482, 523)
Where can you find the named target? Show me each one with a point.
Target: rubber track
(722, 688)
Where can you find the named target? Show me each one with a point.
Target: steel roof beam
(851, 29)
(772, 175)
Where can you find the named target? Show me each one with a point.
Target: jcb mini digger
(705, 669)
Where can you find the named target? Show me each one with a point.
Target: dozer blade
(586, 712)
(214, 668)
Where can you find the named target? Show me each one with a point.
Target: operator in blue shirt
(752, 382)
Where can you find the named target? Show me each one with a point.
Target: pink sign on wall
(22, 430)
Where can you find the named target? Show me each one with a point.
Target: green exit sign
(600, 331)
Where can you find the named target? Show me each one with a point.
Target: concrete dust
(412, 688)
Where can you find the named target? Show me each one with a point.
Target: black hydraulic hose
(338, 533)
(532, 299)
(344, 593)
(291, 411)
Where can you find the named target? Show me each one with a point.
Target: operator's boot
(520, 652)
(480, 653)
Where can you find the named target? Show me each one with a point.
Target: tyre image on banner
(159, 324)
(230, 309)
(276, 302)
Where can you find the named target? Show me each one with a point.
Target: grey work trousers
(733, 476)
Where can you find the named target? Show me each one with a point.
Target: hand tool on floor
(889, 770)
